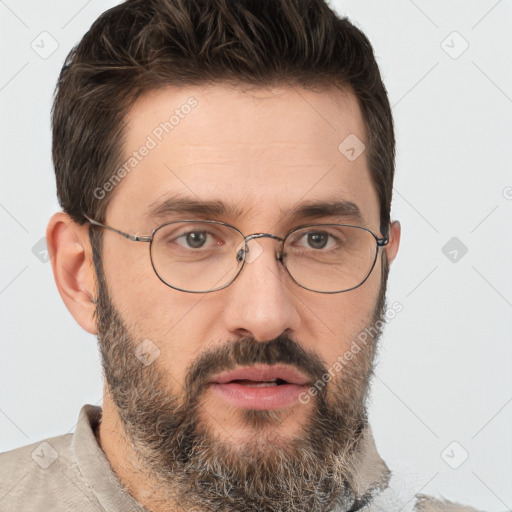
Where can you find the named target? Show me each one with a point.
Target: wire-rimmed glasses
(202, 256)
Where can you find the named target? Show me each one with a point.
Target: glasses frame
(379, 242)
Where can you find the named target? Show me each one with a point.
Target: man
(225, 170)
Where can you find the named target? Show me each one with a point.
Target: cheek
(179, 324)
(340, 319)
(128, 278)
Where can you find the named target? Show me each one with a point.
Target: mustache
(248, 351)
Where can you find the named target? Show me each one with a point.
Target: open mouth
(266, 375)
(258, 384)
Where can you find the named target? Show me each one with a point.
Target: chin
(257, 428)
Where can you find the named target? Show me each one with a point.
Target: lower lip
(261, 398)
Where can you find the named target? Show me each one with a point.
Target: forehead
(259, 151)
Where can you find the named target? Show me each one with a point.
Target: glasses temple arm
(134, 238)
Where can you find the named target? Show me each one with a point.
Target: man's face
(260, 154)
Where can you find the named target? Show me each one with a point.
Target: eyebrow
(311, 209)
(178, 204)
(338, 208)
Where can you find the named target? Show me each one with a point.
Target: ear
(73, 269)
(394, 241)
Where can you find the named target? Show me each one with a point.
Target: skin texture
(260, 152)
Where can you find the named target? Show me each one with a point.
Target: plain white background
(443, 389)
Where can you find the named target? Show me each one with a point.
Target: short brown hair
(141, 45)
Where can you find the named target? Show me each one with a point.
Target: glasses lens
(330, 257)
(196, 256)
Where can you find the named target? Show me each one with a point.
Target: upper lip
(262, 373)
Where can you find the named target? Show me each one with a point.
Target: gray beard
(190, 465)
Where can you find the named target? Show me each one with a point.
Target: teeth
(253, 384)
(261, 384)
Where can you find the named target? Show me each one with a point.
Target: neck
(123, 460)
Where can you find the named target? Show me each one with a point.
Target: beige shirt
(71, 473)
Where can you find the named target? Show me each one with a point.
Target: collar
(371, 475)
(95, 468)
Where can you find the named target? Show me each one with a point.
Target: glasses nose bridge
(255, 236)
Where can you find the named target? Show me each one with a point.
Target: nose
(261, 302)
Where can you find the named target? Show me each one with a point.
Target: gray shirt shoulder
(44, 476)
